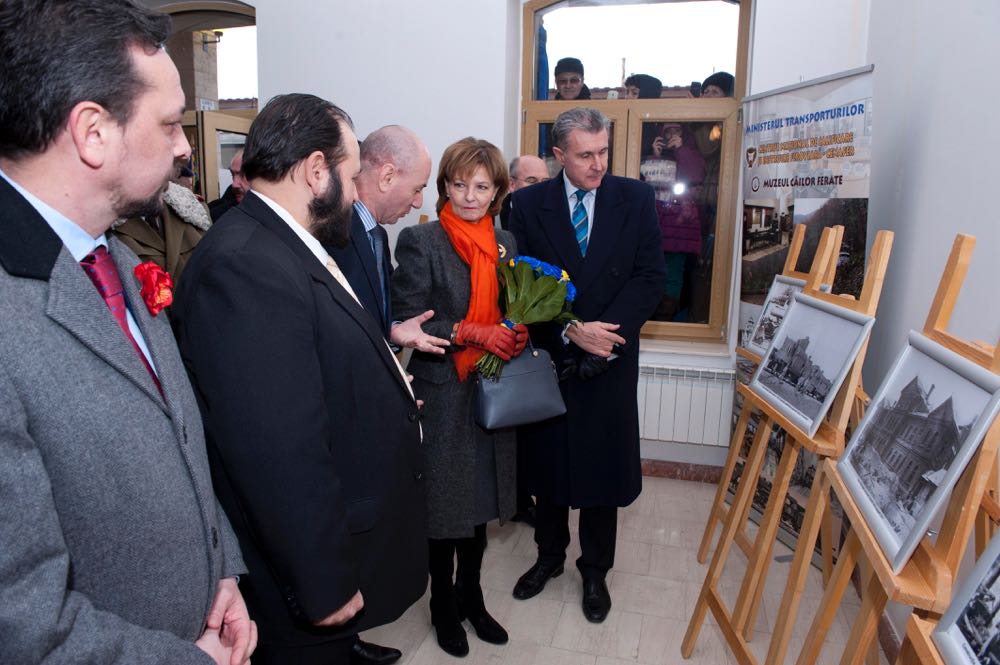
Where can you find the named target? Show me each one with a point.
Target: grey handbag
(526, 392)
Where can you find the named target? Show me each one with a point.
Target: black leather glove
(590, 366)
(567, 366)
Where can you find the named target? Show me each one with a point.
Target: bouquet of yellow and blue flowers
(532, 291)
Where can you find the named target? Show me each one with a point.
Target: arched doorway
(215, 135)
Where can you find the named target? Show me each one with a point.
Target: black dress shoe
(363, 653)
(596, 600)
(452, 640)
(533, 581)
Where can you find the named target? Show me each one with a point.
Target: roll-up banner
(806, 160)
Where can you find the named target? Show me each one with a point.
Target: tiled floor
(654, 586)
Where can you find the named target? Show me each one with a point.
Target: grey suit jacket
(111, 540)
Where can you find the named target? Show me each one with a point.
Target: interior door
(215, 136)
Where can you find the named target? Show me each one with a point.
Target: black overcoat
(313, 435)
(590, 456)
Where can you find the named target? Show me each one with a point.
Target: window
(686, 146)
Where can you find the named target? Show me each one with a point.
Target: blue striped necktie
(580, 221)
(377, 237)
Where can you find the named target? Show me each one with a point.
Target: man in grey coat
(112, 546)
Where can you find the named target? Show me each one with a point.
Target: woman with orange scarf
(450, 266)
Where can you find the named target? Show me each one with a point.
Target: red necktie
(100, 268)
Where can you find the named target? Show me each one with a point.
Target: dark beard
(151, 207)
(331, 215)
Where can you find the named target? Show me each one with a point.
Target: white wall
(934, 163)
(934, 168)
(929, 182)
(798, 40)
(934, 145)
(441, 68)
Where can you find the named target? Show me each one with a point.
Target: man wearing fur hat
(169, 238)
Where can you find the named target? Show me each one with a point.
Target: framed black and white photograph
(969, 632)
(779, 299)
(922, 428)
(808, 359)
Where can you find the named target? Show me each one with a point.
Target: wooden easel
(918, 648)
(828, 442)
(822, 262)
(927, 579)
(824, 265)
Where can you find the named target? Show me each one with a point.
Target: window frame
(627, 116)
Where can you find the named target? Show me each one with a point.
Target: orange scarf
(476, 244)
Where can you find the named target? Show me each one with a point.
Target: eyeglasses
(531, 180)
(569, 81)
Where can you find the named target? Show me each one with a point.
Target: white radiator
(686, 405)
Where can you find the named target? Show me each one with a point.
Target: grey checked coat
(431, 275)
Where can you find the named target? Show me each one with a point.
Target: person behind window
(643, 86)
(569, 80)
(708, 140)
(719, 84)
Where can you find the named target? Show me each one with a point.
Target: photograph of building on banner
(806, 161)
(969, 632)
(923, 427)
(809, 358)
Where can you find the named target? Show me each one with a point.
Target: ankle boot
(451, 635)
(469, 593)
(472, 607)
(444, 604)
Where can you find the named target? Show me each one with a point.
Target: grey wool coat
(431, 275)
(111, 540)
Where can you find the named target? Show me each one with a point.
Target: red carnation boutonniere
(157, 286)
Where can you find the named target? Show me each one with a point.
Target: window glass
(681, 161)
(679, 43)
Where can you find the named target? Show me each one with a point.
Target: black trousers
(336, 652)
(598, 531)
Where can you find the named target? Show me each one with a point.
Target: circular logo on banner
(755, 183)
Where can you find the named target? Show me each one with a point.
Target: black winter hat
(721, 80)
(650, 87)
(569, 65)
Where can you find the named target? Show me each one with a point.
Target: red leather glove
(491, 337)
(520, 338)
